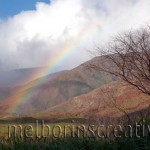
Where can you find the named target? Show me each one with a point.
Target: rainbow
(21, 95)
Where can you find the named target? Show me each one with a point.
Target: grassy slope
(98, 103)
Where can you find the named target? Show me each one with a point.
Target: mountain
(54, 89)
(18, 77)
(12, 78)
(77, 93)
(108, 100)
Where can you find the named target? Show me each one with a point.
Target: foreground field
(37, 129)
(78, 144)
(65, 143)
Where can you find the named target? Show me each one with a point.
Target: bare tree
(127, 56)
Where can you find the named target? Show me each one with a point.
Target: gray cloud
(31, 37)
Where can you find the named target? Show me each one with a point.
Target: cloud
(30, 37)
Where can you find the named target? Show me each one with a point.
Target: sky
(32, 31)
(9, 8)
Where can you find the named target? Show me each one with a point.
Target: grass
(70, 143)
(77, 144)
(4, 130)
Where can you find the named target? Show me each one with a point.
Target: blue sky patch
(10, 8)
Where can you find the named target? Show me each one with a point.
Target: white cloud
(30, 37)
